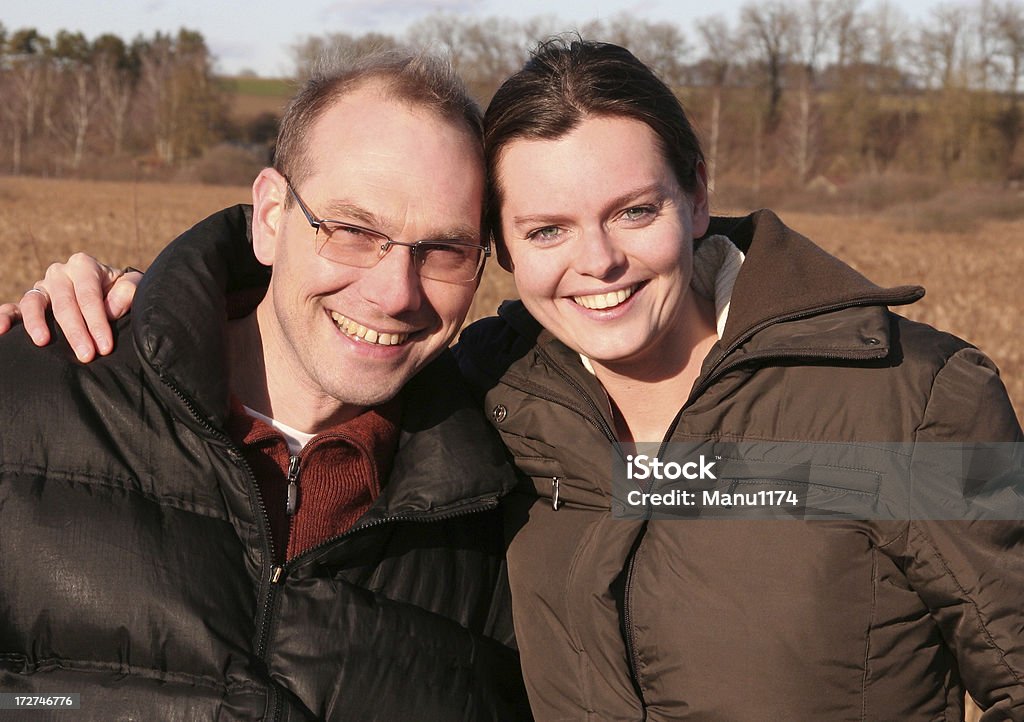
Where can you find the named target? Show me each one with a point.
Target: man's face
(357, 335)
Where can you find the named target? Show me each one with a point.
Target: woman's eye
(638, 213)
(545, 234)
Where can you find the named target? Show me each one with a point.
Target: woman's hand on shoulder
(85, 295)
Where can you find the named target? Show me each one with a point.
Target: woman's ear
(699, 201)
(269, 193)
(501, 250)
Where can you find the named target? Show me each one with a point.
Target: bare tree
(886, 43)
(823, 29)
(27, 59)
(483, 51)
(939, 47)
(76, 79)
(719, 51)
(440, 32)
(660, 45)
(940, 59)
(184, 103)
(315, 49)
(771, 26)
(115, 83)
(79, 94)
(1008, 29)
(27, 74)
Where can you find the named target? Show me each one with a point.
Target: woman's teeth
(358, 330)
(605, 300)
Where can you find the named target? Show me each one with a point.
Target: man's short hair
(414, 77)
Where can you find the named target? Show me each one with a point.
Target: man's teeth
(358, 330)
(605, 300)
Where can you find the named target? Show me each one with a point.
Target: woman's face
(600, 235)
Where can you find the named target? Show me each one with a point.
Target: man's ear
(269, 193)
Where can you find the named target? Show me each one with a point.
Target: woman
(628, 333)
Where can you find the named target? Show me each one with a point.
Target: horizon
(233, 37)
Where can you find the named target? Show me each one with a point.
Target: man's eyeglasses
(352, 245)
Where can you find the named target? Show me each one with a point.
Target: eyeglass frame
(388, 242)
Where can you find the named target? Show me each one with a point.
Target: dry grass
(123, 223)
(971, 276)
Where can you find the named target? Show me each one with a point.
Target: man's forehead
(383, 163)
(365, 103)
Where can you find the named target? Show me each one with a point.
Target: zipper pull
(276, 574)
(292, 502)
(554, 492)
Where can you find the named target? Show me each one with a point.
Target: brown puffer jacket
(759, 620)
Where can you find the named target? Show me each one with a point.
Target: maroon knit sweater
(340, 472)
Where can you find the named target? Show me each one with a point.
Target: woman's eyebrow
(538, 218)
(632, 195)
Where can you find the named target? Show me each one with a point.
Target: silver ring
(39, 291)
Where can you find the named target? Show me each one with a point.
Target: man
(289, 514)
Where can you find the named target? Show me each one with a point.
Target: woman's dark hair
(564, 82)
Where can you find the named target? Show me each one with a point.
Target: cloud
(375, 15)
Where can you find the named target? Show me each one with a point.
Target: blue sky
(257, 34)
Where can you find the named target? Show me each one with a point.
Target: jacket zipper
(627, 621)
(281, 571)
(714, 372)
(266, 583)
(292, 498)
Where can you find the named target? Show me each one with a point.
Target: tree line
(67, 99)
(787, 92)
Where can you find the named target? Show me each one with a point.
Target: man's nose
(393, 285)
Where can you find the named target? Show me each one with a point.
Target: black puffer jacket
(759, 620)
(135, 566)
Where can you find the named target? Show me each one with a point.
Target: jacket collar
(785, 276)
(449, 458)
(180, 328)
(180, 312)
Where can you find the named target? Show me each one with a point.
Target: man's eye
(443, 254)
(345, 233)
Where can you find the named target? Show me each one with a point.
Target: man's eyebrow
(457, 234)
(346, 212)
